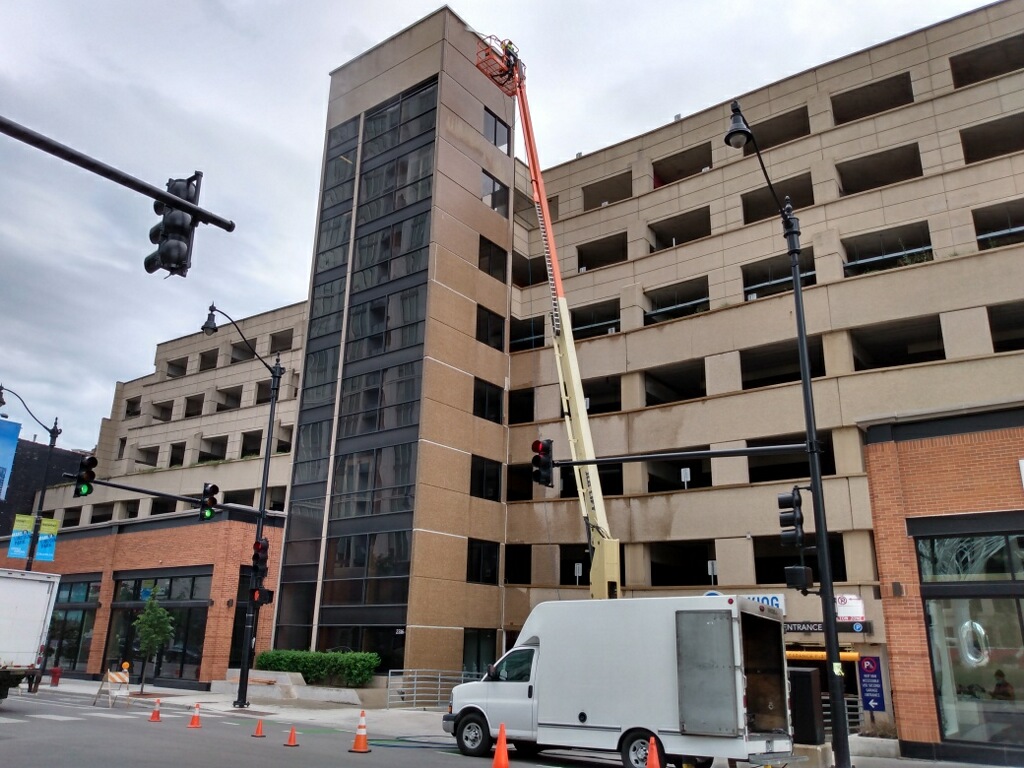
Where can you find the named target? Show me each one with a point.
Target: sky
(238, 89)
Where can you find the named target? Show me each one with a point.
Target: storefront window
(974, 601)
(186, 598)
(71, 626)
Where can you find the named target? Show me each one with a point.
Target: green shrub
(347, 670)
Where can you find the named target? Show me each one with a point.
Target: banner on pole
(21, 537)
(46, 546)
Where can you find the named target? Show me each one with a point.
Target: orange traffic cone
(652, 755)
(361, 744)
(155, 717)
(259, 730)
(194, 722)
(291, 739)
(501, 750)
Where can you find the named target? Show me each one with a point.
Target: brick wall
(226, 545)
(975, 472)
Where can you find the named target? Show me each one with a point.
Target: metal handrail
(424, 688)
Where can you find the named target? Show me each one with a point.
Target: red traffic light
(261, 596)
(543, 463)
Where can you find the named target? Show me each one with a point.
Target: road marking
(5, 720)
(59, 718)
(110, 715)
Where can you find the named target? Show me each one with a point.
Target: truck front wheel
(634, 749)
(472, 736)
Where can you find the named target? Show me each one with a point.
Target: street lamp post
(252, 612)
(37, 518)
(738, 136)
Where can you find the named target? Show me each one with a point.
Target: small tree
(155, 628)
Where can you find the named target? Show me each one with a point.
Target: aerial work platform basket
(499, 60)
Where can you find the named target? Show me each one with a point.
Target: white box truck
(26, 605)
(705, 676)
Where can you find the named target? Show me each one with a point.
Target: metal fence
(853, 713)
(424, 688)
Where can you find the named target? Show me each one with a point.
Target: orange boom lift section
(499, 60)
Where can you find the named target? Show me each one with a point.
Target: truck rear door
(707, 669)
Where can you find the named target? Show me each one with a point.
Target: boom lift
(499, 60)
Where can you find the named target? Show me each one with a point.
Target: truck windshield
(515, 666)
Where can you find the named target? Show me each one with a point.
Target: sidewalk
(407, 724)
(380, 723)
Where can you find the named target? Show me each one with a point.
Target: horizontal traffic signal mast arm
(177, 497)
(37, 140)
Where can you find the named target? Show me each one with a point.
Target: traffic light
(260, 556)
(173, 236)
(543, 463)
(261, 596)
(208, 504)
(791, 518)
(86, 474)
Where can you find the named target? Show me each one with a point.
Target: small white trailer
(705, 676)
(26, 605)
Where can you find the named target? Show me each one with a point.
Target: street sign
(869, 670)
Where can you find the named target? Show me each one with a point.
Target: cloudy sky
(238, 90)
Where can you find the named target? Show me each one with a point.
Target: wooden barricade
(109, 680)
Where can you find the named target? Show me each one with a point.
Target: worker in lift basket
(511, 57)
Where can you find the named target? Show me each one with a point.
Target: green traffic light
(84, 489)
(207, 513)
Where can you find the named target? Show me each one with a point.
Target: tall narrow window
(494, 194)
(496, 131)
(490, 328)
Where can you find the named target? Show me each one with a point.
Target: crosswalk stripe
(5, 720)
(59, 718)
(110, 715)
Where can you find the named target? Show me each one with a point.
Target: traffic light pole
(37, 140)
(738, 136)
(252, 611)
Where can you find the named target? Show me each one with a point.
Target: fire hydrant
(55, 677)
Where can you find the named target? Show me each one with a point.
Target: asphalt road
(66, 731)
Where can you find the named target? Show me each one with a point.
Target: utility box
(805, 702)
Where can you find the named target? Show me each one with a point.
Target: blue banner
(8, 445)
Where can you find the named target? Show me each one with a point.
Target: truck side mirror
(490, 672)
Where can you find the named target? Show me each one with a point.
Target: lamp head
(739, 133)
(210, 326)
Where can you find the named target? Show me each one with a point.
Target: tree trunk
(142, 680)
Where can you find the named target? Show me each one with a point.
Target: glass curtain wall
(356, 452)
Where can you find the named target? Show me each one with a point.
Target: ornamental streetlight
(255, 581)
(37, 517)
(738, 136)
